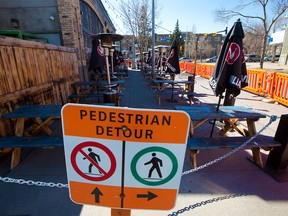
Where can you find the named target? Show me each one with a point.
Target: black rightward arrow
(149, 196)
(97, 194)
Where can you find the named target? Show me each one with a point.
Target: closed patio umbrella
(172, 64)
(97, 59)
(230, 74)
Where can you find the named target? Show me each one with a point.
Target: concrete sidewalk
(269, 66)
(232, 186)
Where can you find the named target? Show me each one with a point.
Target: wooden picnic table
(116, 74)
(167, 87)
(163, 84)
(42, 117)
(94, 89)
(87, 87)
(230, 115)
(147, 72)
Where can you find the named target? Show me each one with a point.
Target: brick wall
(71, 29)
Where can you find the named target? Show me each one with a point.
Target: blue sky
(193, 15)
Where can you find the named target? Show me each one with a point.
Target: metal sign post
(124, 158)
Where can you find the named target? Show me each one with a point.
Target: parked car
(251, 58)
(185, 59)
(212, 59)
(269, 58)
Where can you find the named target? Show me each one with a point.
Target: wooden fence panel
(30, 72)
(10, 70)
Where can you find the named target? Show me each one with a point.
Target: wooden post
(16, 153)
(277, 161)
(191, 86)
(120, 212)
(229, 99)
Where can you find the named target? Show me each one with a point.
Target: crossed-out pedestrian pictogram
(79, 149)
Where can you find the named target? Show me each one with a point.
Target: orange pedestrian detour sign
(124, 158)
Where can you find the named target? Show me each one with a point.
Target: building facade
(64, 22)
(208, 45)
(283, 60)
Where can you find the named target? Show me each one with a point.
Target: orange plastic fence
(256, 82)
(207, 71)
(181, 64)
(281, 89)
(269, 83)
(261, 82)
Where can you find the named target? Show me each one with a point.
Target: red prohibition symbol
(79, 150)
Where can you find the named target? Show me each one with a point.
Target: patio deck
(235, 185)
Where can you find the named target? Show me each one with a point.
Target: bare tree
(137, 16)
(278, 9)
(144, 28)
(253, 38)
(189, 46)
(203, 47)
(208, 49)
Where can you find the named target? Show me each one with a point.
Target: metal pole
(195, 60)
(153, 36)
(133, 52)
(161, 56)
(107, 68)
(112, 60)
(217, 109)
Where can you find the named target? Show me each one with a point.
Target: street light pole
(153, 36)
(196, 53)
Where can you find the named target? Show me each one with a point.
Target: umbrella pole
(229, 99)
(173, 78)
(217, 109)
(172, 96)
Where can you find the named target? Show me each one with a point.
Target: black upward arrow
(149, 196)
(97, 194)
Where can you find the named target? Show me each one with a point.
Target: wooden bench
(76, 97)
(32, 120)
(30, 141)
(197, 144)
(18, 142)
(189, 94)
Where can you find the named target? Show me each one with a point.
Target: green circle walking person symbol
(156, 164)
(166, 172)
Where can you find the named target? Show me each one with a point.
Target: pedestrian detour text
(123, 124)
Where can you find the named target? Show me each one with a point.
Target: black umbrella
(97, 59)
(172, 64)
(230, 74)
(148, 59)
